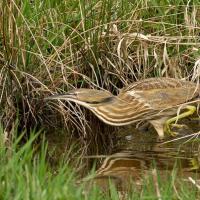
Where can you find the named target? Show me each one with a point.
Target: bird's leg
(190, 111)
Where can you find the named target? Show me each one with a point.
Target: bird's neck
(119, 112)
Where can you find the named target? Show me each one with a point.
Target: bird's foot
(190, 111)
(173, 133)
(168, 130)
(179, 126)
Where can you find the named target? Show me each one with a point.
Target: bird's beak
(67, 96)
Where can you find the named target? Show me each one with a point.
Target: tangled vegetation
(49, 47)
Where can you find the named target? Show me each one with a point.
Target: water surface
(137, 152)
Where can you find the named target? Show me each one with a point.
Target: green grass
(25, 173)
(53, 46)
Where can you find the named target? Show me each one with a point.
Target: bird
(155, 100)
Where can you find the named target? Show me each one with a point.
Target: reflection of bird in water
(155, 100)
(127, 167)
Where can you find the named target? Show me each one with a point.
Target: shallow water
(134, 155)
(137, 152)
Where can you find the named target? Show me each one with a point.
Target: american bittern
(155, 100)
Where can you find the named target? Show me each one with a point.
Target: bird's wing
(158, 83)
(161, 93)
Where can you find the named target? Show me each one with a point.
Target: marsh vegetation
(50, 47)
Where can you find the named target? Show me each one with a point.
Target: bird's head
(85, 97)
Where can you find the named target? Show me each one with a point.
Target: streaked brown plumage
(154, 99)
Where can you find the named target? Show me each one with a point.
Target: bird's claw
(179, 125)
(169, 131)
